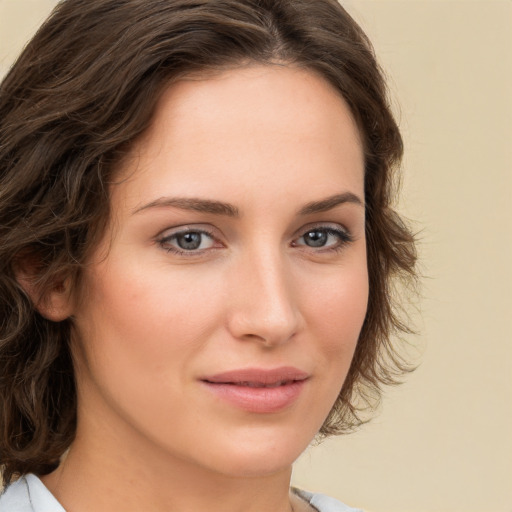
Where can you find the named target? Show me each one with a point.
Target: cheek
(138, 334)
(157, 302)
(141, 324)
(336, 312)
(339, 305)
(336, 309)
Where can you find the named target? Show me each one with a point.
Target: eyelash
(182, 252)
(344, 238)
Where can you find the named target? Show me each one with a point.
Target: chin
(262, 456)
(259, 466)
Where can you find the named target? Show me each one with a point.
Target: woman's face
(224, 304)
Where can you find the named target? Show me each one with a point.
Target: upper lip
(258, 376)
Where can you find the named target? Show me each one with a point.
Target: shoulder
(324, 503)
(28, 494)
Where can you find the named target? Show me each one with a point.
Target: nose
(263, 304)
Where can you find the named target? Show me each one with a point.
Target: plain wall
(442, 441)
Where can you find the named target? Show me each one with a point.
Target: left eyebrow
(194, 204)
(329, 203)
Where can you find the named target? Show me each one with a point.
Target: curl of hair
(86, 87)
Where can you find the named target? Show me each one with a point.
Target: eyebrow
(329, 203)
(229, 210)
(194, 204)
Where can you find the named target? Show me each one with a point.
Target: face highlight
(225, 301)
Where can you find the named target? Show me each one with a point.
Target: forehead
(282, 99)
(249, 127)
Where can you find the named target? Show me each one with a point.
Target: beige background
(442, 442)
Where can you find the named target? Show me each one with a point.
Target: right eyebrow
(331, 202)
(194, 204)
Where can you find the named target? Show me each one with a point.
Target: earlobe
(53, 302)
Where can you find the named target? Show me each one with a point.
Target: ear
(54, 302)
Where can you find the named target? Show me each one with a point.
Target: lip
(258, 390)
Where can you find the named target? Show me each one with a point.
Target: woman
(197, 249)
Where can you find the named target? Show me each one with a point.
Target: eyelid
(185, 228)
(344, 235)
(332, 226)
(163, 239)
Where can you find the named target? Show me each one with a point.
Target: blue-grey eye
(316, 238)
(324, 238)
(189, 241)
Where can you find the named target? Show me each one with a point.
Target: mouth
(256, 384)
(258, 390)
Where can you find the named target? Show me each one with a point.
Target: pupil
(189, 241)
(316, 238)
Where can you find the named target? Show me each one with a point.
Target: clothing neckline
(29, 494)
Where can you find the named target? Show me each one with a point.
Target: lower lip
(258, 400)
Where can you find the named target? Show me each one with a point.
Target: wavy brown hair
(81, 92)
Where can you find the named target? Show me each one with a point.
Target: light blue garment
(29, 494)
(324, 503)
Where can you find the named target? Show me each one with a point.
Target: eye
(187, 241)
(324, 237)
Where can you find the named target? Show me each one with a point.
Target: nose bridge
(265, 306)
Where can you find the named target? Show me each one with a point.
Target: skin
(268, 140)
